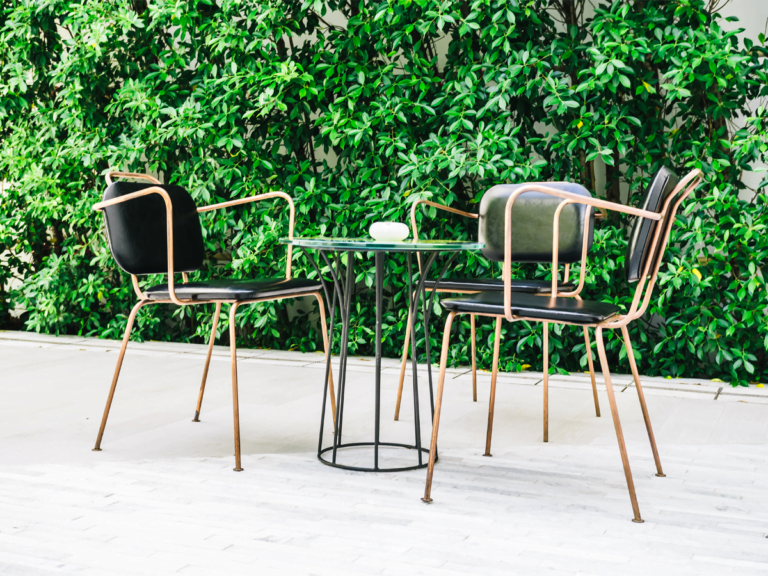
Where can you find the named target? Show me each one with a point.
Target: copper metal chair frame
(643, 293)
(173, 299)
(473, 340)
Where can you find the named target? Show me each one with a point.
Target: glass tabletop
(365, 244)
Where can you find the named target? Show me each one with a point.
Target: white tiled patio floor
(161, 498)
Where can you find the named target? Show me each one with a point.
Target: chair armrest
(414, 228)
(568, 198)
(131, 175)
(689, 182)
(291, 218)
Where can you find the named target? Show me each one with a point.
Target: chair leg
(403, 365)
(235, 401)
(207, 362)
(617, 424)
(120, 357)
(327, 350)
(591, 371)
(474, 358)
(646, 417)
(438, 405)
(546, 381)
(494, 374)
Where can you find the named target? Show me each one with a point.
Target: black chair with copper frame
(155, 229)
(648, 237)
(532, 233)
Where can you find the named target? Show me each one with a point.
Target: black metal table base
(375, 469)
(342, 294)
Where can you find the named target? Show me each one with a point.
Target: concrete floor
(162, 498)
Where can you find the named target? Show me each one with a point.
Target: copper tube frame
(644, 289)
(473, 344)
(173, 299)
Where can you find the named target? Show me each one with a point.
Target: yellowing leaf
(580, 124)
(647, 86)
(759, 386)
(697, 274)
(525, 366)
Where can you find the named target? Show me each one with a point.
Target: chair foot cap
(95, 449)
(488, 454)
(638, 520)
(197, 416)
(237, 469)
(660, 475)
(427, 500)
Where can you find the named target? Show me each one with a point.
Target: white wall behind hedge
(752, 15)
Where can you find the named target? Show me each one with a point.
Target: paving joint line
(304, 363)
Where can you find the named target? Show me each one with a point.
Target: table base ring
(364, 469)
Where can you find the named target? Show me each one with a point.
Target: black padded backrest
(642, 230)
(532, 219)
(136, 230)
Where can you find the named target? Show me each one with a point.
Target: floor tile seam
(312, 363)
(646, 387)
(744, 394)
(85, 343)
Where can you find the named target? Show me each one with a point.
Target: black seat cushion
(530, 306)
(478, 284)
(236, 289)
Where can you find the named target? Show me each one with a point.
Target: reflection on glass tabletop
(363, 244)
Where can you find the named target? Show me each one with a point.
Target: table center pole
(379, 259)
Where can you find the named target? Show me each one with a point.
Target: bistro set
(154, 228)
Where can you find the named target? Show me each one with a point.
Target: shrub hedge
(356, 108)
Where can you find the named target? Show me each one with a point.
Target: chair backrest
(136, 230)
(532, 224)
(642, 230)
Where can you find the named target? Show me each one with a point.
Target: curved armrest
(256, 198)
(415, 229)
(169, 229)
(690, 181)
(131, 175)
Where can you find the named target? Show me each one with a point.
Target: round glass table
(339, 290)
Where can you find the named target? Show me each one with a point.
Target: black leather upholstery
(537, 307)
(236, 289)
(136, 230)
(478, 284)
(532, 219)
(642, 230)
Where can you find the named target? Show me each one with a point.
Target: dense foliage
(356, 108)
